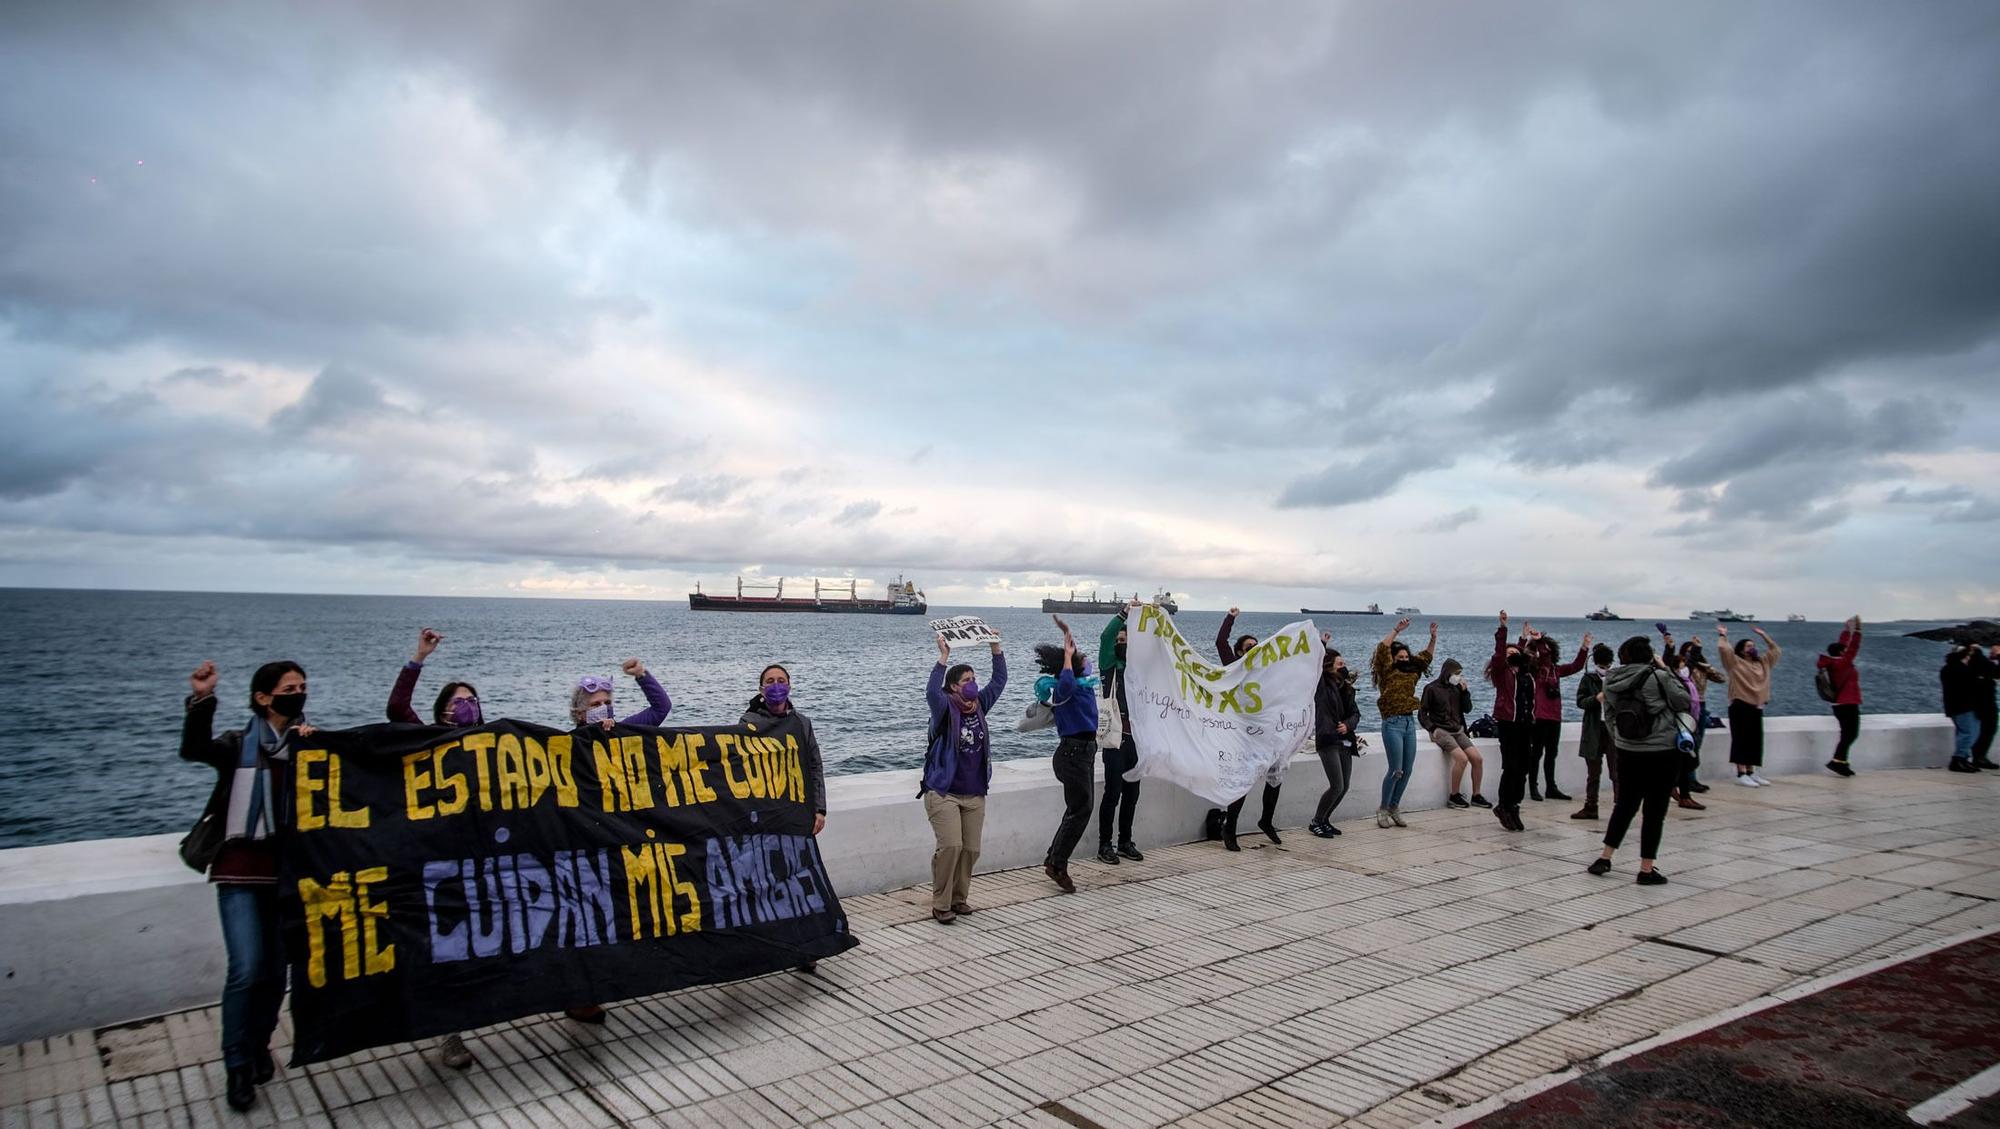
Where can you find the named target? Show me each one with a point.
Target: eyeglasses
(591, 684)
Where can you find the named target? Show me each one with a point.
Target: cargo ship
(1372, 609)
(1605, 615)
(905, 598)
(1724, 615)
(1116, 604)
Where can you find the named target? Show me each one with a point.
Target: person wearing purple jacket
(958, 768)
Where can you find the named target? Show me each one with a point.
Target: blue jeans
(1965, 730)
(255, 987)
(1399, 744)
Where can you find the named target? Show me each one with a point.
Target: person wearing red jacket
(1838, 662)
(1546, 734)
(1513, 679)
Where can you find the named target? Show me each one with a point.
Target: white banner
(962, 630)
(1217, 730)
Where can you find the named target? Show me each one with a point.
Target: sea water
(93, 681)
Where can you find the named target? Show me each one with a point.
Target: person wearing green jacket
(1121, 796)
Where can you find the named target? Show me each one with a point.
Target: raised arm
(1107, 642)
(1401, 626)
(1771, 649)
(1225, 647)
(658, 705)
(990, 693)
(399, 708)
(934, 693)
(1850, 639)
(1582, 657)
(198, 741)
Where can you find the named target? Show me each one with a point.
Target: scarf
(250, 797)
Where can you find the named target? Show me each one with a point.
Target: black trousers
(1546, 735)
(1517, 760)
(1746, 734)
(1121, 796)
(1849, 718)
(1645, 780)
(1338, 760)
(1983, 744)
(1270, 809)
(1075, 761)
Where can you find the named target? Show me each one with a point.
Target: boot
(1553, 792)
(1212, 829)
(1106, 855)
(1589, 811)
(242, 1088)
(1534, 790)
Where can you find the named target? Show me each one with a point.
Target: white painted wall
(117, 929)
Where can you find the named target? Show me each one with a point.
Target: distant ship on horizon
(1372, 609)
(1116, 604)
(905, 598)
(1724, 615)
(1795, 618)
(1604, 615)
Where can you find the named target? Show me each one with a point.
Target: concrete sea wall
(113, 930)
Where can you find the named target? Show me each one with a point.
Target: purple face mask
(1750, 653)
(777, 693)
(969, 689)
(463, 711)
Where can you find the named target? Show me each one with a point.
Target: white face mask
(1458, 680)
(596, 714)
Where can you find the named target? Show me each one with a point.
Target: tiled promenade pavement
(1385, 977)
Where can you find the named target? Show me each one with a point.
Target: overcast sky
(1457, 305)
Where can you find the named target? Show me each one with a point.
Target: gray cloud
(701, 489)
(1451, 522)
(1347, 482)
(858, 512)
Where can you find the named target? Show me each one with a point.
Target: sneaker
(1761, 782)
(1382, 814)
(1652, 878)
(452, 1052)
(1321, 830)
(1599, 866)
(1746, 781)
(1552, 793)
(1107, 856)
(1480, 801)
(1131, 851)
(1960, 764)
(1514, 819)
(1396, 817)
(961, 909)
(943, 916)
(1839, 768)
(1270, 833)
(1985, 762)
(1456, 801)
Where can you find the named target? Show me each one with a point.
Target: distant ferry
(1724, 615)
(904, 599)
(1795, 618)
(1604, 614)
(1409, 611)
(1372, 609)
(1116, 604)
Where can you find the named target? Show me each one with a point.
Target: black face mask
(1119, 650)
(1344, 674)
(1518, 662)
(1409, 665)
(289, 705)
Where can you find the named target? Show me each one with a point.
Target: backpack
(1632, 718)
(1823, 682)
(1484, 727)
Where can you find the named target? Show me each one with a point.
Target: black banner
(436, 880)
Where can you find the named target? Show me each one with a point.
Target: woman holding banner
(1121, 796)
(771, 713)
(1222, 821)
(958, 768)
(1396, 672)
(457, 705)
(590, 704)
(233, 842)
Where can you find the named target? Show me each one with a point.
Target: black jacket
(1443, 706)
(1333, 703)
(795, 724)
(1961, 685)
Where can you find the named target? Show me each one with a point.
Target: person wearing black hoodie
(1985, 667)
(1645, 704)
(1222, 821)
(1121, 796)
(1336, 720)
(772, 714)
(1960, 683)
(1441, 713)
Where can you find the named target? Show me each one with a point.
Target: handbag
(1110, 723)
(1039, 715)
(203, 841)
